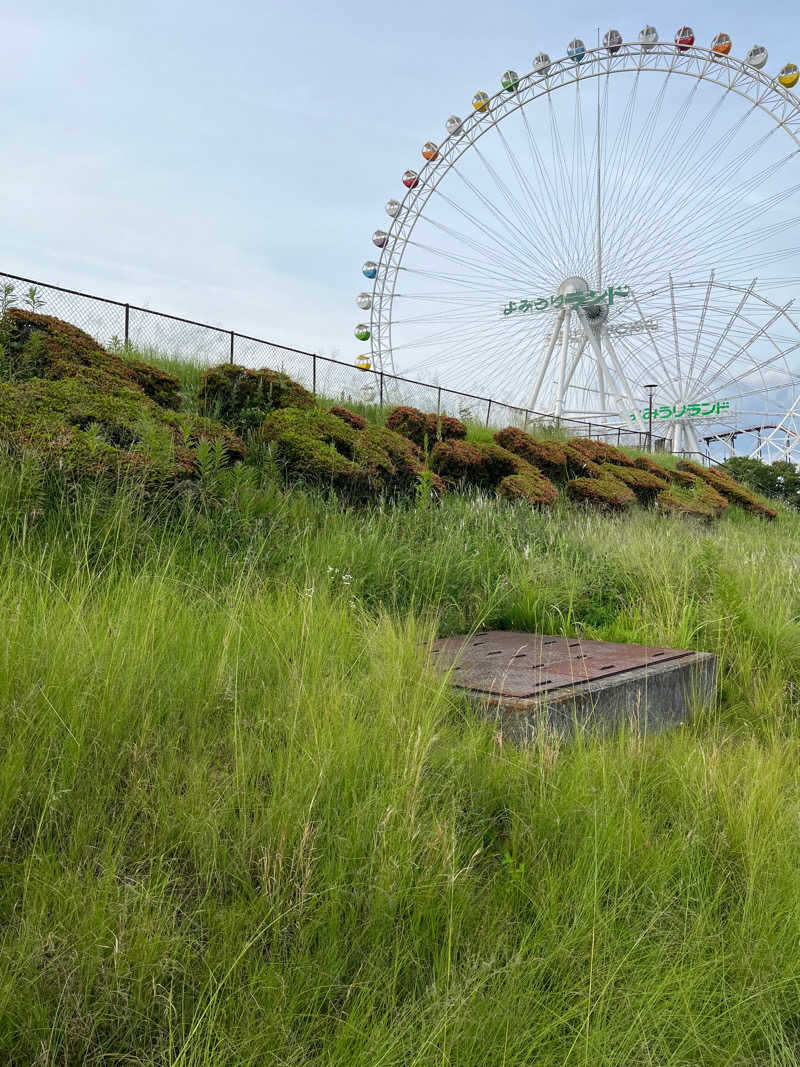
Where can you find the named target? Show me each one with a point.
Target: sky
(229, 161)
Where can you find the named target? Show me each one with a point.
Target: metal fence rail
(113, 323)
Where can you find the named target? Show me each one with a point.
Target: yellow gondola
(789, 76)
(363, 363)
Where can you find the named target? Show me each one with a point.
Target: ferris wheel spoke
(634, 157)
(650, 171)
(517, 236)
(725, 224)
(464, 261)
(494, 236)
(728, 234)
(654, 197)
(546, 184)
(545, 234)
(487, 251)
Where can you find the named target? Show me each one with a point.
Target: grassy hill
(244, 823)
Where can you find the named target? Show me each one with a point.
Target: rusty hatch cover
(507, 663)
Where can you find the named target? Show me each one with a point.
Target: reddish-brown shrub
(600, 452)
(604, 493)
(459, 461)
(548, 456)
(532, 486)
(358, 422)
(729, 488)
(425, 429)
(645, 485)
(702, 501)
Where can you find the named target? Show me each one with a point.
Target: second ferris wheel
(544, 252)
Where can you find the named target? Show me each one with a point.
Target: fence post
(231, 357)
(127, 323)
(381, 389)
(438, 401)
(488, 412)
(314, 373)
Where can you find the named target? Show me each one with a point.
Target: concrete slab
(526, 680)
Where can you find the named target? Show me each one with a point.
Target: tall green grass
(244, 823)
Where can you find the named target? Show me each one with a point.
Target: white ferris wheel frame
(730, 74)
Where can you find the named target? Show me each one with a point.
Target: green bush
(532, 486)
(644, 484)
(604, 494)
(84, 430)
(729, 488)
(40, 346)
(318, 448)
(701, 501)
(164, 389)
(243, 398)
(488, 466)
(425, 429)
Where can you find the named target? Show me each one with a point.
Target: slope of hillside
(244, 823)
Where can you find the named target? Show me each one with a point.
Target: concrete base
(645, 691)
(648, 699)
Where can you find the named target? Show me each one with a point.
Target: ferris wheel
(614, 235)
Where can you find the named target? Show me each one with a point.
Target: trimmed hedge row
(93, 413)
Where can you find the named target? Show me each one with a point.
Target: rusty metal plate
(507, 663)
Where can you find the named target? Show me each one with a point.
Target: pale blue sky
(229, 161)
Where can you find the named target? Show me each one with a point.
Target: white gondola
(453, 125)
(542, 64)
(364, 301)
(757, 57)
(648, 38)
(393, 208)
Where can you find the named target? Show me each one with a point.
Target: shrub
(680, 478)
(242, 398)
(644, 484)
(700, 502)
(163, 388)
(578, 463)
(599, 452)
(548, 456)
(425, 429)
(40, 346)
(319, 448)
(604, 493)
(729, 488)
(532, 486)
(459, 461)
(644, 463)
(488, 466)
(358, 422)
(86, 431)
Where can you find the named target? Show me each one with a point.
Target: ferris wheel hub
(574, 284)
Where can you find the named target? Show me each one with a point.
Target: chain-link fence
(115, 324)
